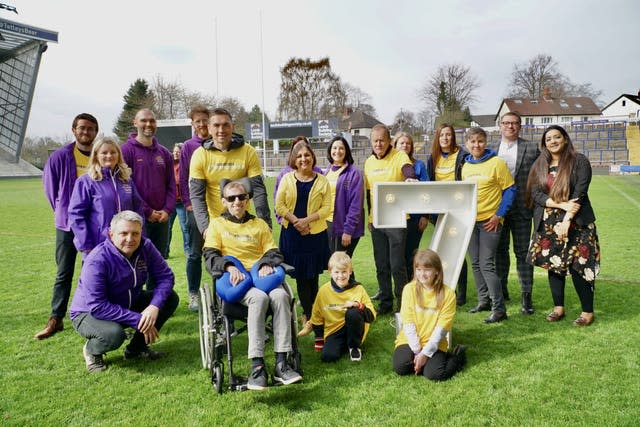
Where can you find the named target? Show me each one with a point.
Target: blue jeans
(482, 251)
(66, 253)
(181, 213)
(194, 260)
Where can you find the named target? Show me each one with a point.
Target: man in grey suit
(519, 155)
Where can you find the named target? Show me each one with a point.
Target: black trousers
(440, 367)
(349, 336)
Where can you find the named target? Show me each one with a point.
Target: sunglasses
(242, 197)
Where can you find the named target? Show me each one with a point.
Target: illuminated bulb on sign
(426, 197)
(444, 265)
(458, 196)
(453, 232)
(390, 198)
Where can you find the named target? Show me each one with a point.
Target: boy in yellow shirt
(344, 309)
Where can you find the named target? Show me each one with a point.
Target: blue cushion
(267, 283)
(226, 291)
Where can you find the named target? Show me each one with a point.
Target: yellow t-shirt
(332, 177)
(492, 177)
(328, 311)
(247, 241)
(426, 319)
(446, 167)
(387, 169)
(212, 165)
(82, 161)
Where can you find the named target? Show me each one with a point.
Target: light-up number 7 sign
(454, 201)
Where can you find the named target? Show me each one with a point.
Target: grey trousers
(482, 251)
(258, 303)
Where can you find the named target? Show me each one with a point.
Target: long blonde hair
(121, 171)
(428, 258)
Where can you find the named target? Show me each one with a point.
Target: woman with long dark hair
(565, 240)
(445, 164)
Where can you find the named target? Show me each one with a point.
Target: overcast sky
(387, 48)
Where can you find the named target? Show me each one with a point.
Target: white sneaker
(194, 302)
(95, 363)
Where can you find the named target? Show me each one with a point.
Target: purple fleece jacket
(153, 176)
(110, 283)
(190, 145)
(58, 178)
(348, 207)
(93, 205)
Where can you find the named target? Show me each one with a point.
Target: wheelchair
(216, 326)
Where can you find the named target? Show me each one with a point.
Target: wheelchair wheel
(205, 324)
(217, 375)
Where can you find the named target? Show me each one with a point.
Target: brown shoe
(582, 321)
(555, 316)
(53, 325)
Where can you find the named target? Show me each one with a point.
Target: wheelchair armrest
(288, 269)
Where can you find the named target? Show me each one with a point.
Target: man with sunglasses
(237, 241)
(519, 155)
(224, 155)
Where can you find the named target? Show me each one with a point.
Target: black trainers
(95, 363)
(284, 374)
(147, 353)
(258, 379)
(355, 354)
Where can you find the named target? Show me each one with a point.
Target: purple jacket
(348, 207)
(190, 145)
(94, 203)
(110, 283)
(153, 176)
(58, 178)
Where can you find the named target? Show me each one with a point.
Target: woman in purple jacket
(105, 190)
(346, 220)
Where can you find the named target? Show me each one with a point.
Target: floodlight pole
(264, 139)
(215, 35)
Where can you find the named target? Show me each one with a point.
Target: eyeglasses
(507, 124)
(242, 197)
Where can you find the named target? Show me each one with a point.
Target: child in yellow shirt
(344, 309)
(428, 309)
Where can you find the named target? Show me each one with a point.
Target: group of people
(115, 205)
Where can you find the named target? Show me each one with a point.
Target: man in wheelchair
(237, 240)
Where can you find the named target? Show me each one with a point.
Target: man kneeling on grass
(110, 298)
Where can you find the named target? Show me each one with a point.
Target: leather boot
(54, 324)
(527, 304)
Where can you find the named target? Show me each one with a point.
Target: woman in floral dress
(565, 240)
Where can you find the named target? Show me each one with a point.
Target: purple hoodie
(153, 176)
(190, 145)
(94, 203)
(348, 207)
(58, 178)
(110, 283)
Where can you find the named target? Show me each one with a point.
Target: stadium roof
(14, 35)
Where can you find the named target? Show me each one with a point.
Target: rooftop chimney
(546, 94)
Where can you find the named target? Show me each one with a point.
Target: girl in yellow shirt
(428, 309)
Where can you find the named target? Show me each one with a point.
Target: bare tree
(530, 79)
(309, 89)
(450, 88)
(404, 121)
(168, 97)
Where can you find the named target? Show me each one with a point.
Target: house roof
(360, 120)
(552, 106)
(484, 120)
(632, 98)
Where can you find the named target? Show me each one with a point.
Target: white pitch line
(625, 195)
